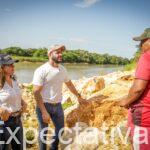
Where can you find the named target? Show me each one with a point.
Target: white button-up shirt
(10, 97)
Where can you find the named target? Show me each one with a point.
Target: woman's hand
(4, 114)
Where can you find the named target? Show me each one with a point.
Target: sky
(101, 26)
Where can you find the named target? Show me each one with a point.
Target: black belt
(54, 104)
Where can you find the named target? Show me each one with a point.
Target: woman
(11, 106)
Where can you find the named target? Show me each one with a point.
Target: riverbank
(69, 56)
(101, 112)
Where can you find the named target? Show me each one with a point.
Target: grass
(130, 66)
(30, 88)
(67, 105)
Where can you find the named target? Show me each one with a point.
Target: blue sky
(102, 26)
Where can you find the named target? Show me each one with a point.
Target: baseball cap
(6, 59)
(143, 36)
(56, 47)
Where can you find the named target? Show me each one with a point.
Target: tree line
(69, 56)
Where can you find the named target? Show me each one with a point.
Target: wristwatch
(78, 95)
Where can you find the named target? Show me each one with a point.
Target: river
(25, 70)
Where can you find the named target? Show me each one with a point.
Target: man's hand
(46, 117)
(4, 114)
(72, 88)
(40, 104)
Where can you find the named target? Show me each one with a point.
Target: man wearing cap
(48, 80)
(138, 99)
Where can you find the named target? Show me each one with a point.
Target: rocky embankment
(97, 120)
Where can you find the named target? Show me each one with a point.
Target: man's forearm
(133, 96)
(72, 89)
(39, 101)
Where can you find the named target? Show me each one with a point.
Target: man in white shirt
(48, 80)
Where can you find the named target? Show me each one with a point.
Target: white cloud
(86, 3)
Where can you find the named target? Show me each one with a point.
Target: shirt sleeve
(143, 68)
(38, 78)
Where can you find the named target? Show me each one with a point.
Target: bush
(130, 66)
(69, 56)
(30, 135)
(67, 105)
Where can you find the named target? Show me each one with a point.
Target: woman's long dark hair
(3, 78)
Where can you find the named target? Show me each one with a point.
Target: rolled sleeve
(143, 68)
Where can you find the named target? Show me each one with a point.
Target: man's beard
(56, 60)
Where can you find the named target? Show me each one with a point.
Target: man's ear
(49, 54)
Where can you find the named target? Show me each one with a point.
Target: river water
(25, 70)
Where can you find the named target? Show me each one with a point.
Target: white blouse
(10, 97)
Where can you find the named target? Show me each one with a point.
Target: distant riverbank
(69, 56)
